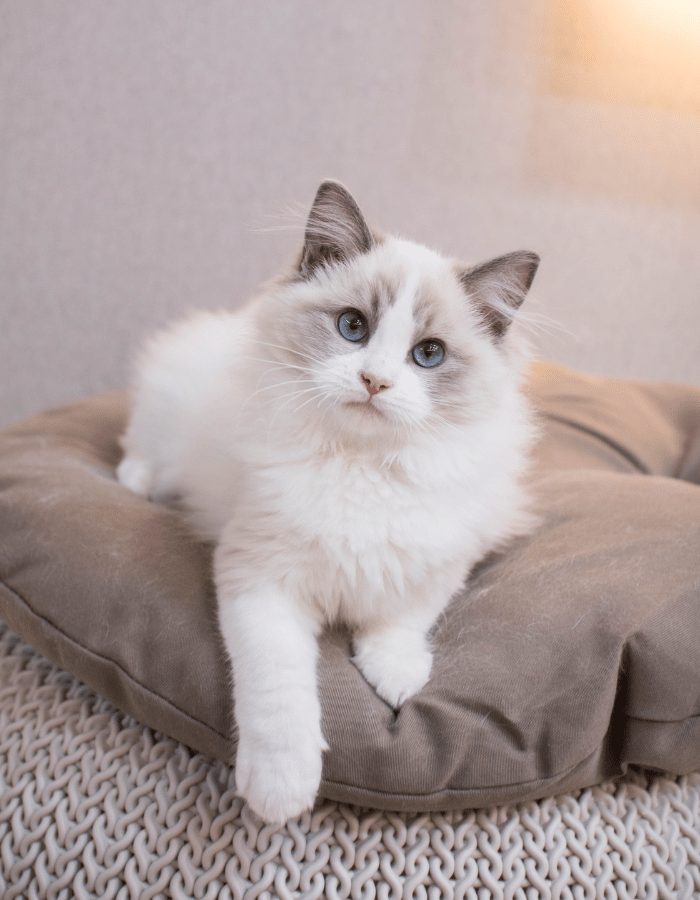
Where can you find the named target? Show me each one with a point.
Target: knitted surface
(93, 805)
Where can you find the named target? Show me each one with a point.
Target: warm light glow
(618, 108)
(677, 18)
(630, 52)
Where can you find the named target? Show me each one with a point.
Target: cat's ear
(499, 286)
(336, 230)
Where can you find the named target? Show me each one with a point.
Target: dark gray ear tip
(532, 260)
(334, 193)
(331, 186)
(526, 257)
(521, 265)
(526, 263)
(336, 230)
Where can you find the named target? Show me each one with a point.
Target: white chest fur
(355, 539)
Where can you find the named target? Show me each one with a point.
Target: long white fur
(327, 504)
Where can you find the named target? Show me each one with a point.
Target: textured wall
(148, 148)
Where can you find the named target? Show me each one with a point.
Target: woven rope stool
(94, 805)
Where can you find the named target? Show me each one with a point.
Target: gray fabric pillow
(568, 657)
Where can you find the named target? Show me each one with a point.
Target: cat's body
(353, 442)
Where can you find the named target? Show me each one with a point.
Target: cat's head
(383, 336)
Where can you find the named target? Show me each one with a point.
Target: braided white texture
(93, 805)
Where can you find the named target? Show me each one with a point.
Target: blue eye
(353, 325)
(428, 354)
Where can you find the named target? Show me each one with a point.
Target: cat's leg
(396, 658)
(273, 647)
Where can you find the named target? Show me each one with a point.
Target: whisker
(293, 395)
(279, 384)
(290, 218)
(293, 350)
(436, 417)
(275, 365)
(334, 402)
(305, 402)
(290, 395)
(319, 394)
(259, 390)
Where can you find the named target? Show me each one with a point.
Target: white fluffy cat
(352, 440)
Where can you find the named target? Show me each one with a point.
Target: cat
(353, 441)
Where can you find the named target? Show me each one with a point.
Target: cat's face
(385, 344)
(387, 359)
(386, 338)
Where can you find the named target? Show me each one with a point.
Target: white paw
(136, 474)
(279, 782)
(395, 669)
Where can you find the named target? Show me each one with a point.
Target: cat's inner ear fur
(499, 286)
(336, 230)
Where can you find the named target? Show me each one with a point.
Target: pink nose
(373, 385)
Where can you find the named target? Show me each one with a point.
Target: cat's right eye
(353, 325)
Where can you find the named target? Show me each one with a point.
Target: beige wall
(147, 149)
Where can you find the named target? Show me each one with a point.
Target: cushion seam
(103, 658)
(471, 791)
(593, 432)
(695, 715)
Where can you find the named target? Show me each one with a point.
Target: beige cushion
(567, 658)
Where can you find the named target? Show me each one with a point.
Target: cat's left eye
(428, 353)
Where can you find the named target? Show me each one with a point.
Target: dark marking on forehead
(434, 317)
(382, 296)
(425, 313)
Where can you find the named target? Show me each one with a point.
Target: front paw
(395, 668)
(136, 474)
(279, 782)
